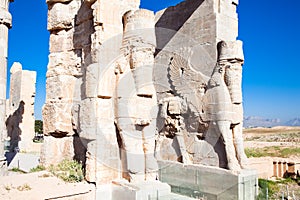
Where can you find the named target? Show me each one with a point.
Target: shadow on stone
(14, 131)
(180, 14)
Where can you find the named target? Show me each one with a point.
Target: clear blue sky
(270, 30)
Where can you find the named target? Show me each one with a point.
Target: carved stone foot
(244, 163)
(186, 159)
(234, 167)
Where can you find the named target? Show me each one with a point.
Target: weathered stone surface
(219, 105)
(192, 41)
(20, 110)
(56, 150)
(97, 128)
(101, 115)
(85, 13)
(62, 88)
(57, 119)
(58, 1)
(5, 24)
(104, 82)
(136, 102)
(65, 63)
(79, 88)
(5, 17)
(82, 34)
(99, 83)
(62, 15)
(61, 41)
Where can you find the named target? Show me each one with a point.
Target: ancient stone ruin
(5, 24)
(20, 109)
(140, 98)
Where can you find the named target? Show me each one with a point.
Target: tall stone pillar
(275, 169)
(20, 109)
(63, 76)
(5, 24)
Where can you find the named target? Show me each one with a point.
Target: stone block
(126, 85)
(24, 161)
(144, 80)
(204, 152)
(57, 119)
(139, 191)
(160, 71)
(65, 63)
(137, 108)
(55, 150)
(102, 164)
(208, 181)
(92, 78)
(103, 192)
(99, 82)
(60, 88)
(106, 83)
(127, 107)
(93, 110)
(61, 41)
(228, 8)
(61, 15)
(227, 28)
(146, 108)
(264, 167)
(20, 109)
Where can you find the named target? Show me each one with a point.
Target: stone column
(20, 109)
(63, 77)
(279, 169)
(5, 24)
(284, 168)
(275, 169)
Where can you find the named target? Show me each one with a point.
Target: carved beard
(233, 80)
(217, 77)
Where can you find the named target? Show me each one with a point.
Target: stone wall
(191, 30)
(20, 110)
(274, 167)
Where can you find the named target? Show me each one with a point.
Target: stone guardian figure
(136, 103)
(220, 107)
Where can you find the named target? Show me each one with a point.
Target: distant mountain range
(255, 121)
(293, 122)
